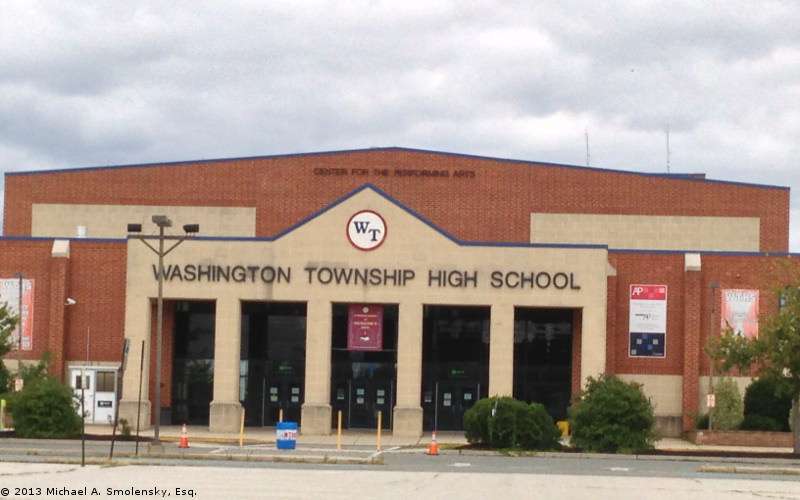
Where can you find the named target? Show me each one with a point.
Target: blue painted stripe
(680, 177)
(730, 253)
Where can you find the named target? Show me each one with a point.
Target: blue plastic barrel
(286, 438)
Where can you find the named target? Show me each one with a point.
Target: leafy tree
(7, 324)
(776, 352)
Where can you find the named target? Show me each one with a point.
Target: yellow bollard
(339, 431)
(241, 430)
(280, 414)
(2, 414)
(379, 431)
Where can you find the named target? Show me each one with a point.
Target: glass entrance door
(272, 362)
(455, 357)
(363, 381)
(281, 394)
(451, 399)
(360, 401)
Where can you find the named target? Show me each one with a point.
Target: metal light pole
(163, 222)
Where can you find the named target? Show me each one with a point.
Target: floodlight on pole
(163, 222)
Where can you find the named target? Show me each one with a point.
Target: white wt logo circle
(366, 230)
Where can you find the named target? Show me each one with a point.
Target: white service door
(87, 384)
(105, 396)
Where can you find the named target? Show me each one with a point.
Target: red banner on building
(9, 294)
(365, 327)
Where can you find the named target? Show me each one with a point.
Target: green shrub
(612, 415)
(515, 424)
(701, 422)
(728, 412)
(769, 397)
(760, 423)
(6, 380)
(476, 421)
(45, 408)
(125, 428)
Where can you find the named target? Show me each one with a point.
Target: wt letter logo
(366, 230)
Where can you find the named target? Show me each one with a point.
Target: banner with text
(365, 327)
(740, 312)
(9, 294)
(647, 321)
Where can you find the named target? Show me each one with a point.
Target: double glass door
(360, 400)
(283, 394)
(445, 402)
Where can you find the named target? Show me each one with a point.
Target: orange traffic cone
(433, 448)
(184, 442)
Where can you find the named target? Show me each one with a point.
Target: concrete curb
(781, 471)
(612, 456)
(145, 459)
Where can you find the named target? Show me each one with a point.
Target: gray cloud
(88, 83)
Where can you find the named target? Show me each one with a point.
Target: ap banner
(365, 327)
(647, 321)
(9, 293)
(740, 312)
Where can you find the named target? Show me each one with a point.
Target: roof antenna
(586, 134)
(667, 134)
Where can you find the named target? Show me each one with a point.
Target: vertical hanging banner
(647, 321)
(9, 294)
(365, 327)
(740, 312)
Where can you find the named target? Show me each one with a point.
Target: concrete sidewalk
(366, 438)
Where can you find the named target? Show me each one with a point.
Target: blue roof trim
(730, 253)
(408, 210)
(681, 177)
(52, 238)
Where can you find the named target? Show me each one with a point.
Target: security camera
(71, 301)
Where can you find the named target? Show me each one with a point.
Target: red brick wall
(97, 281)
(649, 269)
(495, 205)
(767, 274)
(32, 259)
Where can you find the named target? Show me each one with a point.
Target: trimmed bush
(770, 398)
(760, 423)
(476, 421)
(728, 412)
(612, 415)
(701, 422)
(45, 409)
(515, 424)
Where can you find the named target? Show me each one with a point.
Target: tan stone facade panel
(648, 232)
(664, 392)
(110, 221)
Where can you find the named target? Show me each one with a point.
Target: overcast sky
(96, 83)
